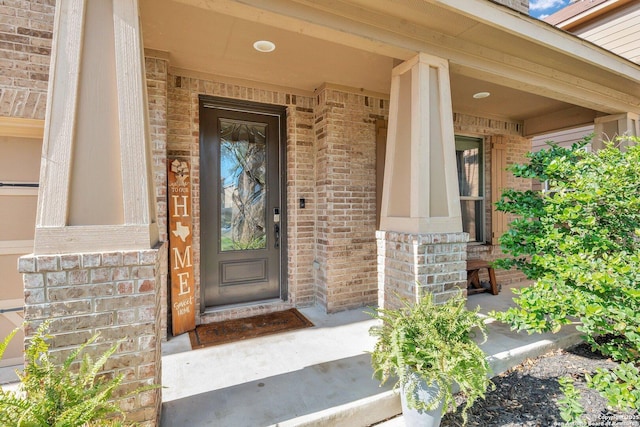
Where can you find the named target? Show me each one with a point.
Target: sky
(542, 8)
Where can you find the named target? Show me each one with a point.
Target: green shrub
(63, 395)
(580, 242)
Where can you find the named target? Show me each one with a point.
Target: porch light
(481, 95)
(264, 46)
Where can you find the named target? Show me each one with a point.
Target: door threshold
(238, 311)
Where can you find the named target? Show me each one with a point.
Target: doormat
(251, 327)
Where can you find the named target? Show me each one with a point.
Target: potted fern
(430, 350)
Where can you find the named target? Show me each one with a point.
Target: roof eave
(521, 25)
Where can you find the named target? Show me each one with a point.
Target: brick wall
(346, 189)
(156, 70)
(519, 5)
(113, 293)
(410, 265)
(301, 174)
(26, 30)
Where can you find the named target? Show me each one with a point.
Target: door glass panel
(243, 189)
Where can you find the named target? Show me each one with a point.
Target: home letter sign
(180, 248)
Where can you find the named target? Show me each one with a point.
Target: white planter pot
(419, 418)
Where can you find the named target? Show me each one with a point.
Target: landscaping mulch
(527, 395)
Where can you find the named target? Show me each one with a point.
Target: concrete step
(319, 376)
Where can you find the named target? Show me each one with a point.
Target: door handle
(276, 227)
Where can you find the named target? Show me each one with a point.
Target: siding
(563, 138)
(17, 219)
(26, 32)
(616, 31)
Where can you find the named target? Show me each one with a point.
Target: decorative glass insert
(242, 185)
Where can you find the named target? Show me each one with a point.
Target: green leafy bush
(60, 395)
(580, 242)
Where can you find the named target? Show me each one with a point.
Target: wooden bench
(474, 286)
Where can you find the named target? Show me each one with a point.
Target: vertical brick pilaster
(300, 185)
(409, 265)
(114, 293)
(156, 70)
(345, 128)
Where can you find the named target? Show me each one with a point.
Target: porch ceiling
(207, 41)
(346, 43)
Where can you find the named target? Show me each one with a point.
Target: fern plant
(435, 343)
(60, 395)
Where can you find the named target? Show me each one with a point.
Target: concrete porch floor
(319, 376)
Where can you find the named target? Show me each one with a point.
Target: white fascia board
(583, 15)
(540, 32)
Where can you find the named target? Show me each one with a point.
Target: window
(469, 159)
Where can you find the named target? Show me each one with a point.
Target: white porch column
(421, 246)
(608, 127)
(97, 260)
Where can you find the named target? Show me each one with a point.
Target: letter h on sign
(177, 205)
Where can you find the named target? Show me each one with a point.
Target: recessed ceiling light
(481, 95)
(264, 46)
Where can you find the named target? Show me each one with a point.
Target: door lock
(276, 227)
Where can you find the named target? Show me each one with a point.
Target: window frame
(483, 187)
